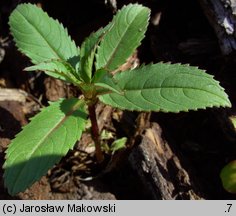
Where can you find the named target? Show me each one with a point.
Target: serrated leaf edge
(52, 48)
(99, 47)
(80, 103)
(182, 110)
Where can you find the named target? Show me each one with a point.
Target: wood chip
(13, 95)
(159, 168)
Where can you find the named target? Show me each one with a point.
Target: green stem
(95, 133)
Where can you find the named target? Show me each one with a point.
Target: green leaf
(40, 37)
(118, 144)
(167, 88)
(92, 41)
(57, 69)
(104, 79)
(88, 49)
(43, 142)
(127, 31)
(228, 177)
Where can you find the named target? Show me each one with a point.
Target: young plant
(55, 130)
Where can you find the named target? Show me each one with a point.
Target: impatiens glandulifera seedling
(55, 130)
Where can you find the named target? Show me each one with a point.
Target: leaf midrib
(61, 121)
(42, 36)
(170, 87)
(118, 45)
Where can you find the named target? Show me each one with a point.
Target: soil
(203, 141)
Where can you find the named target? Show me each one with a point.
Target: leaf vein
(41, 35)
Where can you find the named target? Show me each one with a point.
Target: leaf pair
(114, 43)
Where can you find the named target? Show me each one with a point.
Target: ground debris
(159, 168)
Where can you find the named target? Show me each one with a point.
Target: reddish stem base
(95, 133)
